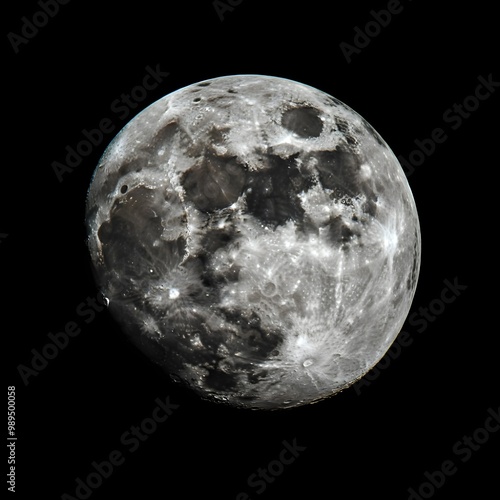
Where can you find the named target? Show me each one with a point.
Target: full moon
(256, 238)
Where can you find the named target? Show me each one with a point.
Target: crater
(304, 121)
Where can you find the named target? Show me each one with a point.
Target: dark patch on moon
(338, 170)
(339, 232)
(215, 182)
(256, 377)
(307, 226)
(272, 194)
(131, 238)
(304, 121)
(218, 238)
(216, 281)
(253, 340)
(218, 380)
(164, 137)
(370, 206)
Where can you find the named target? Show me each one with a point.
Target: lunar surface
(256, 238)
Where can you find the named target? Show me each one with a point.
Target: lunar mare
(256, 238)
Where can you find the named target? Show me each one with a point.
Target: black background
(377, 443)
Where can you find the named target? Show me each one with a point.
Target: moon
(256, 238)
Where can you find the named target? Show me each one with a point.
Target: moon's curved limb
(256, 238)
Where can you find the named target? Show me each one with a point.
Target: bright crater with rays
(256, 238)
